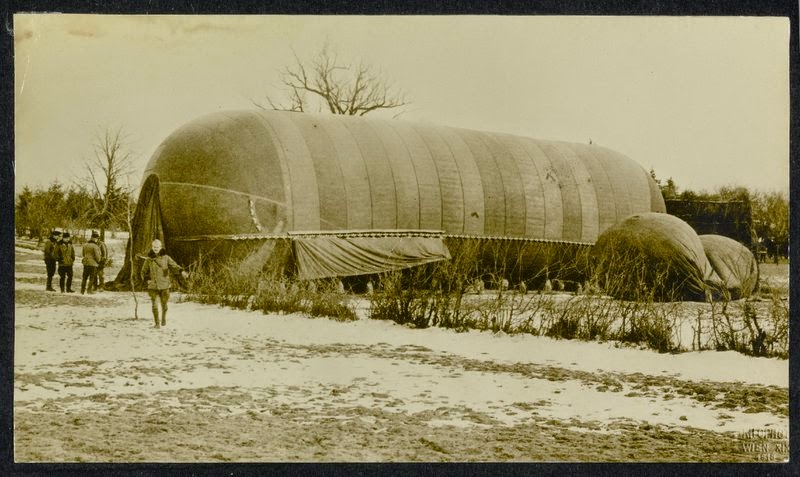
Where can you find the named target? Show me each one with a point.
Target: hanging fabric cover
(733, 263)
(146, 225)
(331, 256)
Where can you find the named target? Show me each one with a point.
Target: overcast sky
(704, 100)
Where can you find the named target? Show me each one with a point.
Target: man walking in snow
(156, 275)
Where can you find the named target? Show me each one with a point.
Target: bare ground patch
(144, 432)
(41, 298)
(750, 398)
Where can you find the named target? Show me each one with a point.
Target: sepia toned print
(402, 239)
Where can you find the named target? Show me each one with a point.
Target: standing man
(91, 255)
(99, 282)
(66, 257)
(155, 273)
(51, 256)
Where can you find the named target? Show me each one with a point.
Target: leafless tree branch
(106, 170)
(342, 88)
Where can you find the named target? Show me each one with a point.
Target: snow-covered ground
(86, 354)
(105, 337)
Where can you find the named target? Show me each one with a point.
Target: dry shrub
(428, 295)
(653, 324)
(778, 317)
(326, 300)
(236, 283)
(756, 327)
(444, 294)
(402, 302)
(580, 317)
(220, 283)
(437, 295)
(630, 274)
(562, 321)
(649, 311)
(278, 294)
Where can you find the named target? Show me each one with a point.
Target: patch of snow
(201, 339)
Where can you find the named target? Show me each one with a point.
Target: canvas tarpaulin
(653, 254)
(146, 225)
(329, 255)
(733, 263)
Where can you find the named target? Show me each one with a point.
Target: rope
(372, 233)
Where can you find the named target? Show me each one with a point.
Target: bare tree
(110, 165)
(341, 88)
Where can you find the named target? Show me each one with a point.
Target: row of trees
(98, 200)
(74, 208)
(769, 210)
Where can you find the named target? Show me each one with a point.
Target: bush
(651, 328)
(279, 295)
(450, 294)
(398, 300)
(220, 283)
(329, 301)
(565, 326)
(429, 295)
(736, 326)
(236, 284)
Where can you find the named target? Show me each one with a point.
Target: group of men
(59, 254)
